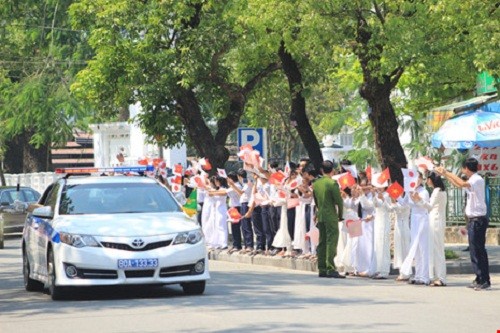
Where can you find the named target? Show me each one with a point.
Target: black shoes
(331, 275)
(484, 286)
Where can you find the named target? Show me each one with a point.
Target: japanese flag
(197, 181)
(222, 173)
(205, 164)
(287, 169)
(176, 187)
(178, 169)
(410, 179)
(425, 163)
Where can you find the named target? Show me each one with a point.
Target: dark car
(13, 204)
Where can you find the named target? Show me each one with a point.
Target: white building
(126, 139)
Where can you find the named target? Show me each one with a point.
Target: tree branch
(395, 76)
(378, 12)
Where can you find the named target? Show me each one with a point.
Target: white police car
(115, 230)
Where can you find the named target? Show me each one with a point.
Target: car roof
(109, 180)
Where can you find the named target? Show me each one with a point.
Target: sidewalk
(462, 265)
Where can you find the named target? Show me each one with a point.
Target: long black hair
(437, 181)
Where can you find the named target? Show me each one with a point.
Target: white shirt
(247, 192)
(476, 202)
(200, 195)
(234, 197)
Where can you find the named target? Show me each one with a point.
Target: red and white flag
(222, 173)
(178, 169)
(425, 162)
(410, 179)
(205, 164)
(287, 169)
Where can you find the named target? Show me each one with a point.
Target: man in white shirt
(476, 213)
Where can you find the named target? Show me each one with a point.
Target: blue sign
(256, 137)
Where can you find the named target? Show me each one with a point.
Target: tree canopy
(199, 67)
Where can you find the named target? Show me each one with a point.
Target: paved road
(246, 298)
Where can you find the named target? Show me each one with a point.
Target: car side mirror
(44, 212)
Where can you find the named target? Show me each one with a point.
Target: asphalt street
(251, 298)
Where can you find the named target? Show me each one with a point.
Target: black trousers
(478, 256)
(198, 215)
(236, 232)
(246, 226)
(258, 228)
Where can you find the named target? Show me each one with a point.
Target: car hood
(125, 225)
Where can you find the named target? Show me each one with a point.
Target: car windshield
(114, 198)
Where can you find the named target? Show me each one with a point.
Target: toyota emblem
(138, 243)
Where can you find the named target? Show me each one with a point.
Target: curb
(459, 266)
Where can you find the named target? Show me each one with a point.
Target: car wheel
(57, 293)
(29, 283)
(194, 288)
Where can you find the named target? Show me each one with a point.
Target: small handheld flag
(234, 215)
(347, 180)
(395, 190)
(191, 205)
(222, 173)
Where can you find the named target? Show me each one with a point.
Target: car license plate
(137, 263)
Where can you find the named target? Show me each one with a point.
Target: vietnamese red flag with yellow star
(234, 215)
(277, 178)
(384, 176)
(395, 190)
(368, 172)
(347, 180)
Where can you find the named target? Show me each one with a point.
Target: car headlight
(191, 237)
(78, 240)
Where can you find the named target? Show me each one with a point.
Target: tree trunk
(298, 116)
(23, 157)
(198, 132)
(376, 90)
(383, 119)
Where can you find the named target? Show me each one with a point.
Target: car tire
(56, 293)
(29, 283)
(194, 288)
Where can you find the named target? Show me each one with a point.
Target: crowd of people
(345, 229)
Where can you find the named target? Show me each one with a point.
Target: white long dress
(216, 229)
(401, 231)
(282, 238)
(381, 259)
(364, 250)
(299, 237)
(437, 223)
(344, 259)
(207, 224)
(419, 248)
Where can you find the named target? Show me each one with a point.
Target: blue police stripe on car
(46, 229)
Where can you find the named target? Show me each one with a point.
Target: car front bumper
(98, 266)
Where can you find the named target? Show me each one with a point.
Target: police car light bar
(122, 169)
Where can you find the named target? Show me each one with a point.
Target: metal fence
(456, 203)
